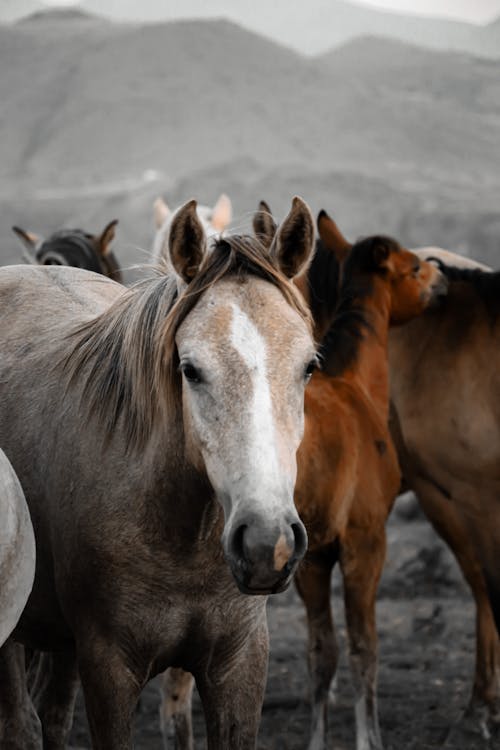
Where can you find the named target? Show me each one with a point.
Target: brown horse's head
(73, 247)
(412, 284)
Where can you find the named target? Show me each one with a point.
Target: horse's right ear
(29, 239)
(293, 244)
(331, 236)
(264, 226)
(161, 212)
(186, 242)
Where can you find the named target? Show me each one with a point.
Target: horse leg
(19, 724)
(313, 584)
(362, 555)
(111, 688)
(175, 708)
(449, 524)
(54, 695)
(231, 689)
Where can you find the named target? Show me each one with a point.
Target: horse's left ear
(29, 239)
(331, 236)
(263, 224)
(106, 238)
(186, 242)
(293, 244)
(380, 253)
(222, 213)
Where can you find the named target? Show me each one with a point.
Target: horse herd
(244, 416)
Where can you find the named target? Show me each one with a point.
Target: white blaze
(261, 440)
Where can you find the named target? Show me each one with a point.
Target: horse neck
(370, 369)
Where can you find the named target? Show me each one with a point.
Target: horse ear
(380, 253)
(106, 238)
(293, 244)
(264, 226)
(29, 239)
(222, 213)
(161, 212)
(186, 241)
(331, 236)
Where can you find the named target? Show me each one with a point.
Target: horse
(17, 549)
(348, 474)
(155, 431)
(423, 421)
(447, 433)
(73, 247)
(214, 220)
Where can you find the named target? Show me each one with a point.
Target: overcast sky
(469, 10)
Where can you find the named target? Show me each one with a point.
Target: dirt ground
(426, 638)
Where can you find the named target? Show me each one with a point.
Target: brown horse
(147, 426)
(73, 247)
(447, 433)
(348, 474)
(424, 426)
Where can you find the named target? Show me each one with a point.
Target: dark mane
(485, 284)
(127, 356)
(323, 277)
(340, 345)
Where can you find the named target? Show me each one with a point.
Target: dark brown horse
(147, 426)
(73, 247)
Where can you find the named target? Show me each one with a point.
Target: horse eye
(416, 269)
(190, 373)
(310, 369)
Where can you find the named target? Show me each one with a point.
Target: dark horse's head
(73, 247)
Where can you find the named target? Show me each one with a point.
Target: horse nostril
(236, 546)
(300, 537)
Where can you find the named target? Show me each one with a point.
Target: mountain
(98, 117)
(311, 27)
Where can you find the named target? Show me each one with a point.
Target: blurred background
(387, 119)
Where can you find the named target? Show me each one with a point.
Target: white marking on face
(262, 438)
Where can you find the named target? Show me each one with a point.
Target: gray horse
(17, 549)
(147, 426)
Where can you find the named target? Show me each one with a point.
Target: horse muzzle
(263, 560)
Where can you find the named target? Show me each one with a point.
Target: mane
(127, 356)
(323, 278)
(340, 345)
(485, 284)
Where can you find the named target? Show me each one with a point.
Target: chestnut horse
(348, 474)
(17, 549)
(155, 431)
(73, 247)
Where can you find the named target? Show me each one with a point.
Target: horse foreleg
(449, 524)
(313, 584)
(231, 688)
(175, 709)
(111, 687)
(54, 696)
(19, 724)
(362, 557)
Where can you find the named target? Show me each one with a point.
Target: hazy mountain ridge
(312, 28)
(102, 116)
